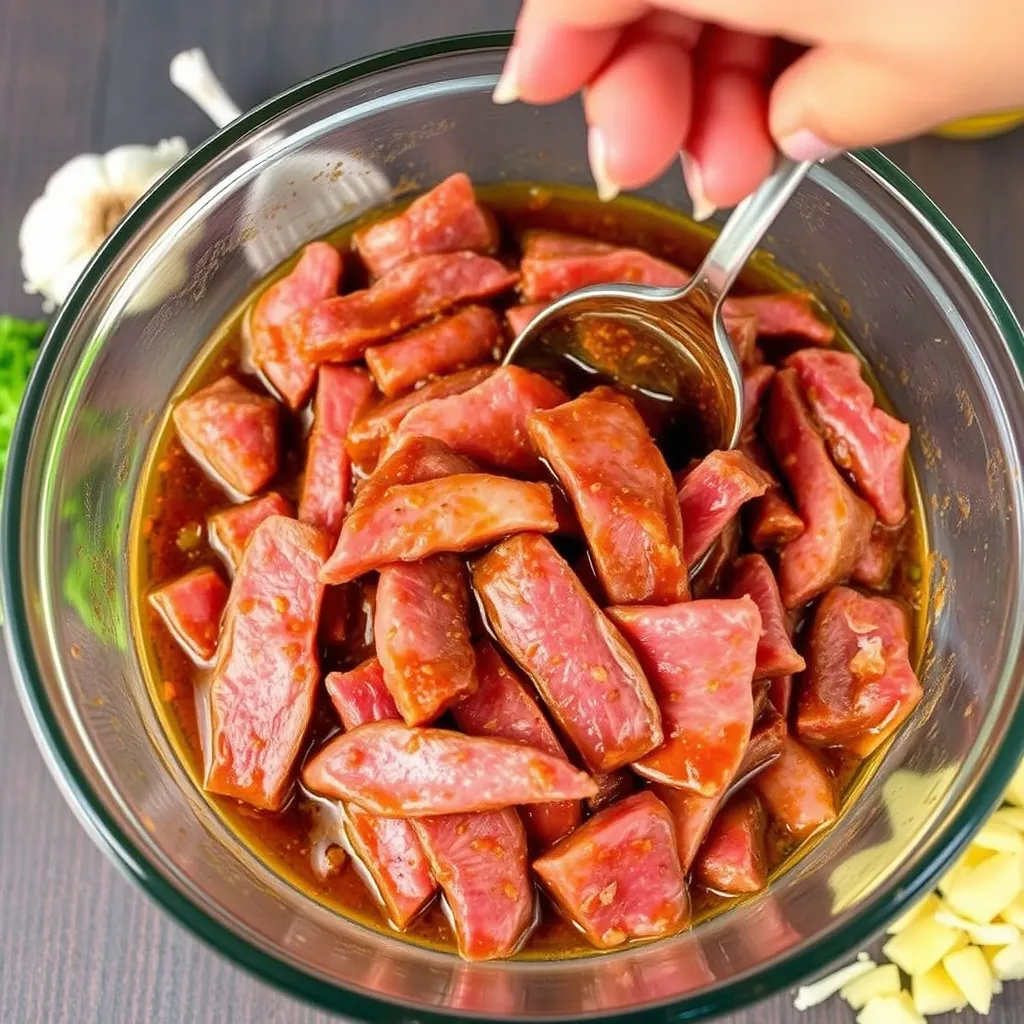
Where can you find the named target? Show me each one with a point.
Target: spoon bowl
(668, 347)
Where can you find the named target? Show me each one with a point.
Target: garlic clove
(82, 203)
(54, 233)
(132, 169)
(80, 178)
(66, 276)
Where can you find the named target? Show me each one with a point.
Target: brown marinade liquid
(170, 539)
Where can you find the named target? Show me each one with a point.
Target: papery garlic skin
(82, 203)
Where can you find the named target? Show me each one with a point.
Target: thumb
(830, 100)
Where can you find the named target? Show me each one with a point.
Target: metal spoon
(669, 346)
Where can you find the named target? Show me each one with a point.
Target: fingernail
(805, 145)
(702, 208)
(507, 89)
(597, 149)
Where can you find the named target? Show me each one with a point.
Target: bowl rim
(288, 977)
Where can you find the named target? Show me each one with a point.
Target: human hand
(729, 81)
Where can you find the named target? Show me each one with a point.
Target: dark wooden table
(78, 943)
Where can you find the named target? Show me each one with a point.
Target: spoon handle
(746, 227)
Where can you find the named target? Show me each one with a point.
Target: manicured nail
(507, 89)
(805, 145)
(702, 207)
(597, 149)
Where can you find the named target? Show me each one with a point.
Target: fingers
(803, 20)
(638, 109)
(830, 100)
(590, 13)
(729, 150)
(550, 61)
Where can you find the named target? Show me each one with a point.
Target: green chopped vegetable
(19, 343)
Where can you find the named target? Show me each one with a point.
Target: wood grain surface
(78, 943)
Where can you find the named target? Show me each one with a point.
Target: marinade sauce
(302, 843)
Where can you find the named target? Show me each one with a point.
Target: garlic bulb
(82, 203)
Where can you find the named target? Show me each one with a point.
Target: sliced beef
(410, 522)
(783, 314)
(421, 627)
(267, 671)
(623, 494)
(618, 877)
(341, 394)
(373, 432)
(400, 771)
(388, 848)
(837, 524)
(314, 278)
(445, 219)
(192, 607)
(776, 656)
(692, 815)
(230, 529)
(464, 339)
(771, 521)
(733, 860)
(875, 566)
(766, 741)
(488, 423)
(712, 494)
(584, 670)
(864, 440)
(481, 863)
(797, 791)
(232, 432)
(341, 329)
(361, 695)
(860, 685)
(755, 387)
(700, 659)
(504, 706)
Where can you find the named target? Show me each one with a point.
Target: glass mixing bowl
(884, 259)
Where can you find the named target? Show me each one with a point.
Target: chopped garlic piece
(868, 662)
(824, 988)
(971, 857)
(1008, 962)
(996, 835)
(882, 981)
(935, 992)
(995, 934)
(921, 945)
(1014, 913)
(928, 906)
(972, 975)
(1015, 790)
(1012, 816)
(958, 951)
(982, 892)
(890, 1010)
(948, 880)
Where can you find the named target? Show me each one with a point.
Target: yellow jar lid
(982, 127)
